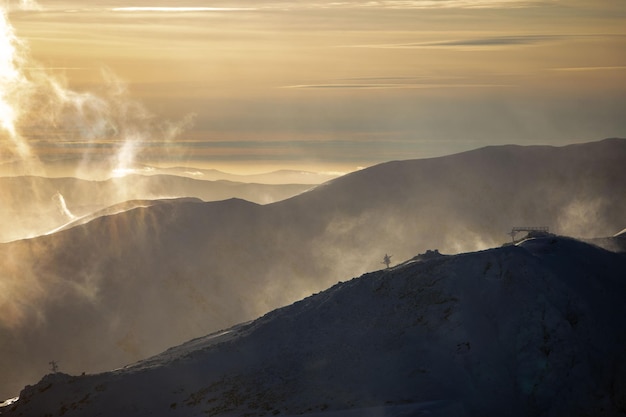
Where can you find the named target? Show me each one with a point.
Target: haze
(97, 263)
(332, 86)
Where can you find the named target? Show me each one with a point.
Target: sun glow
(45, 124)
(11, 82)
(39, 111)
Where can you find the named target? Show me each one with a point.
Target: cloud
(21, 5)
(497, 41)
(453, 4)
(470, 43)
(616, 68)
(181, 9)
(491, 41)
(373, 86)
(345, 86)
(391, 82)
(196, 6)
(424, 4)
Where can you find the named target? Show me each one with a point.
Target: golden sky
(332, 84)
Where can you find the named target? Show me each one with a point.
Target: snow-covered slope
(535, 329)
(120, 208)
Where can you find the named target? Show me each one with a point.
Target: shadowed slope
(535, 329)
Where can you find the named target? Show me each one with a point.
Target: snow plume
(60, 202)
(586, 218)
(13, 84)
(103, 133)
(39, 111)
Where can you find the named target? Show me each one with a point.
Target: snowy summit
(535, 329)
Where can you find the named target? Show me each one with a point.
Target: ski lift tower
(387, 260)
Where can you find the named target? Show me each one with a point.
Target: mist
(118, 259)
(67, 153)
(107, 134)
(132, 284)
(44, 124)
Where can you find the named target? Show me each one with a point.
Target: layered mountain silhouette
(535, 329)
(38, 205)
(123, 287)
(283, 176)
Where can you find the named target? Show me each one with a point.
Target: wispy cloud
(419, 4)
(373, 86)
(497, 41)
(181, 9)
(351, 4)
(583, 69)
(470, 43)
(390, 82)
(450, 4)
(196, 6)
(395, 79)
(61, 68)
(343, 86)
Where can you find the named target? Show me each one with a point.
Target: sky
(251, 86)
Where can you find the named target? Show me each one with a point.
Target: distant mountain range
(32, 206)
(283, 176)
(123, 287)
(104, 170)
(535, 329)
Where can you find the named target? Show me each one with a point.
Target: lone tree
(54, 367)
(387, 260)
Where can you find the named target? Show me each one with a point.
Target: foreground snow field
(535, 329)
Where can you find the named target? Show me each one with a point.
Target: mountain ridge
(36, 205)
(532, 329)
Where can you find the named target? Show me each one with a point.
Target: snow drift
(535, 329)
